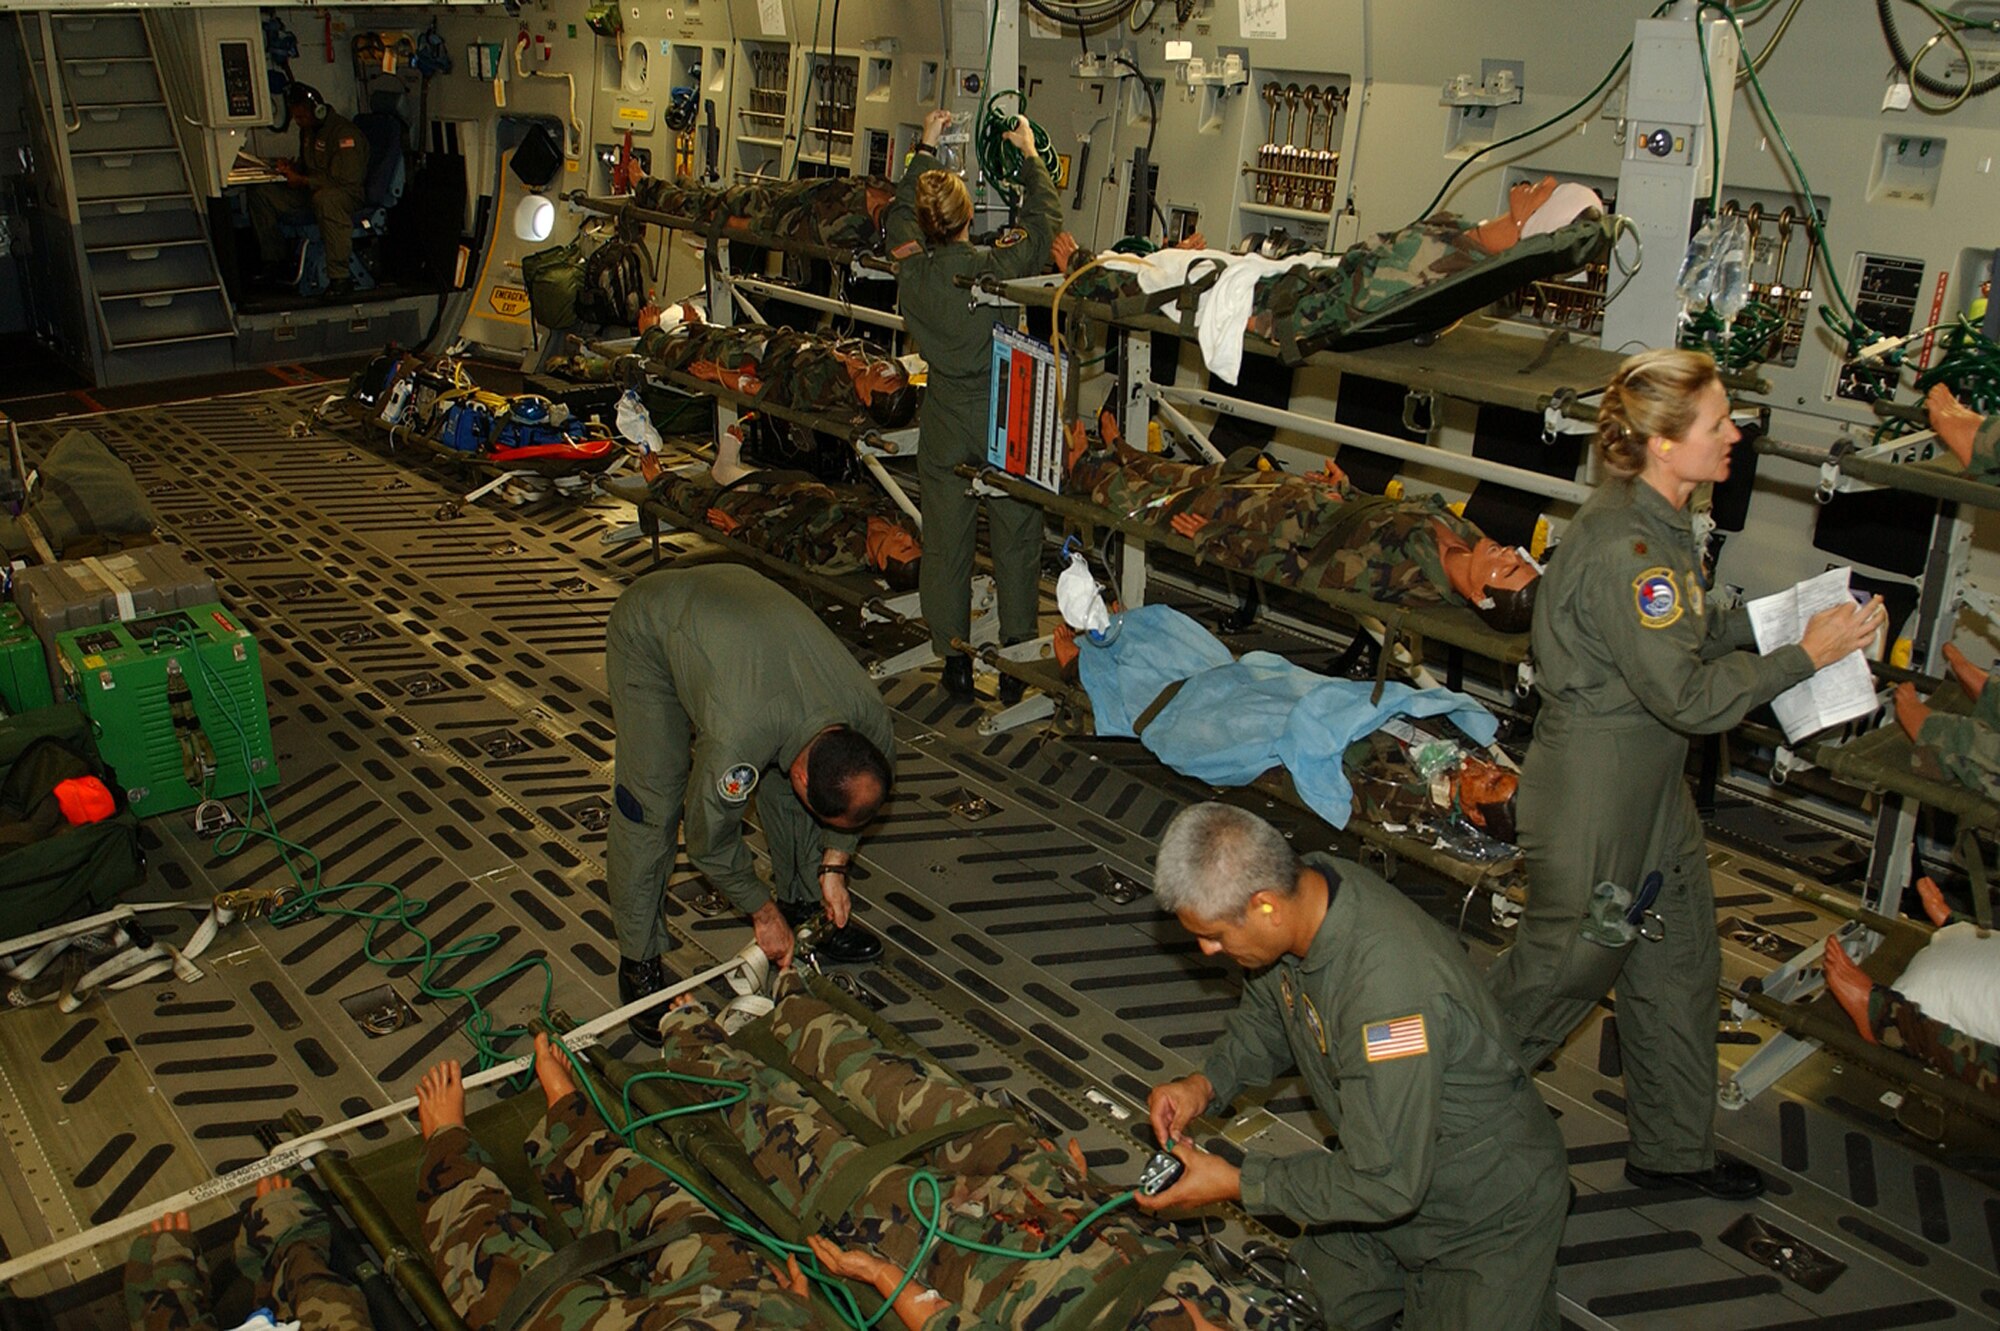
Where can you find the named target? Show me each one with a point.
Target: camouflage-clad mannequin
(1897, 1023)
(845, 381)
(841, 214)
(282, 1248)
(1001, 1185)
(1307, 531)
(822, 527)
(1893, 1019)
(1968, 747)
(484, 1242)
(1325, 298)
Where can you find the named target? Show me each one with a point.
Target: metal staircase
(148, 282)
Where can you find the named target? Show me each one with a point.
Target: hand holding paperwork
(1839, 692)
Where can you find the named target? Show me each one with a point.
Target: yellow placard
(1062, 171)
(507, 302)
(635, 115)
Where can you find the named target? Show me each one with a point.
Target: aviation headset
(304, 94)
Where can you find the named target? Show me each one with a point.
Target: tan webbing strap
(756, 1040)
(841, 1188)
(1392, 633)
(1973, 857)
(1155, 707)
(37, 538)
(1116, 1300)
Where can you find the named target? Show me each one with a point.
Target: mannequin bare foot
(1849, 987)
(1910, 710)
(271, 1183)
(729, 467)
(441, 1099)
(1526, 197)
(1934, 904)
(173, 1222)
(1969, 676)
(1955, 424)
(552, 1070)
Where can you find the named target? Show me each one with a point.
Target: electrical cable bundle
(1085, 13)
(1949, 28)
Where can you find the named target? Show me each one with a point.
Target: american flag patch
(1401, 1038)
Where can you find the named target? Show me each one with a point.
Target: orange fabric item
(84, 799)
(1482, 783)
(1062, 645)
(889, 543)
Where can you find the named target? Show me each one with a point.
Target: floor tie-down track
(439, 707)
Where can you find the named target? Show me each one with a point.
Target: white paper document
(1261, 18)
(1842, 691)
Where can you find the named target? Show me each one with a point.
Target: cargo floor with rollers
(438, 712)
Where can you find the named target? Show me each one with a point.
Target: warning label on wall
(508, 302)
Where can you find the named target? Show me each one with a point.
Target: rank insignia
(736, 784)
(1402, 1038)
(1285, 988)
(1658, 597)
(1313, 1023)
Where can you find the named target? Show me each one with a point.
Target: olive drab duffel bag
(50, 866)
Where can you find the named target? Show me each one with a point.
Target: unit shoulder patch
(735, 784)
(1009, 238)
(1657, 597)
(1403, 1037)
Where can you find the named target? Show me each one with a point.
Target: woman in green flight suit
(927, 228)
(1631, 660)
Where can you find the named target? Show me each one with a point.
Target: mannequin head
(1498, 580)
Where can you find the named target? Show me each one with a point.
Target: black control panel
(239, 80)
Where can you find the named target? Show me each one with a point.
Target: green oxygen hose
(1000, 162)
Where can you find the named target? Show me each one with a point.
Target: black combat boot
(637, 979)
(1728, 1178)
(1012, 687)
(958, 676)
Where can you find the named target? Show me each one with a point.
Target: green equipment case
(24, 666)
(178, 703)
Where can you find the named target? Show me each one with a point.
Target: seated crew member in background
(1966, 747)
(717, 676)
(1953, 976)
(1443, 1202)
(927, 229)
(283, 1248)
(325, 181)
(1313, 530)
(483, 1242)
(1631, 660)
